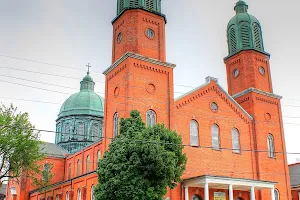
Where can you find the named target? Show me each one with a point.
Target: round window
(262, 70)
(119, 38)
(236, 73)
(150, 33)
(214, 107)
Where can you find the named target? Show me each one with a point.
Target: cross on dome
(88, 66)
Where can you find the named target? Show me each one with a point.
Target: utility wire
(157, 142)
(43, 63)
(12, 57)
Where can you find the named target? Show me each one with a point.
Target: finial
(241, 7)
(88, 66)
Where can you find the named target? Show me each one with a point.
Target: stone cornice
(138, 57)
(242, 50)
(255, 90)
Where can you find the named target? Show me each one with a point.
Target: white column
(252, 195)
(186, 193)
(230, 192)
(206, 191)
(273, 194)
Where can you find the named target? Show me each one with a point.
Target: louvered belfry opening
(257, 37)
(149, 4)
(245, 35)
(121, 6)
(233, 40)
(133, 3)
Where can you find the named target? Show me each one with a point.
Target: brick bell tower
(139, 77)
(250, 84)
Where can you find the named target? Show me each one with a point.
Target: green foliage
(43, 179)
(19, 144)
(141, 162)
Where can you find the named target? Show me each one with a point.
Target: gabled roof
(53, 150)
(208, 81)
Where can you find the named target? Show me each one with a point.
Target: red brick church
(235, 138)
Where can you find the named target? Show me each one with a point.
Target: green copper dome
(85, 102)
(244, 31)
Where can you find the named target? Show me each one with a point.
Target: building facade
(234, 140)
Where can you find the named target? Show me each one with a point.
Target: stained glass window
(78, 167)
(271, 149)
(215, 136)
(88, 162)
(235, 141)
(116, 124)
(151, 118)
(194, 139)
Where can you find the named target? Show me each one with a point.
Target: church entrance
(196, 197)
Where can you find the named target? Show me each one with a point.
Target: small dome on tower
(244, 31)
(88, 78)
(85, 102)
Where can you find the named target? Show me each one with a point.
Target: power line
(43, 63)
(158, 142)
(48, 74)
(36, 87)
(202, 115)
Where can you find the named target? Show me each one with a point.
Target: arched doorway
(239, 198)
(196, 197)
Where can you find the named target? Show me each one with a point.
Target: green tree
(19, 144)
(43, 179)
(140, 163)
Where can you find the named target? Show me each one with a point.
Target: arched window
(215, 132)
(151, 118)
(95, 135)
(69, 170)
(93, 192)
(257, 36)
(116, 124)
(276, 194)
(245, 35)
(45, 172)
(98, 155)
(58, 133)
(235, 141)
(66, 135)
(78, 194)
(80, 130)
(78, 167)
(88, 161)
(194, 139)
(57, 197)
(232, 40)
(271, 149)
(67, 196)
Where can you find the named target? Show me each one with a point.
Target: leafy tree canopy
(141, 162)
(19, 144)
